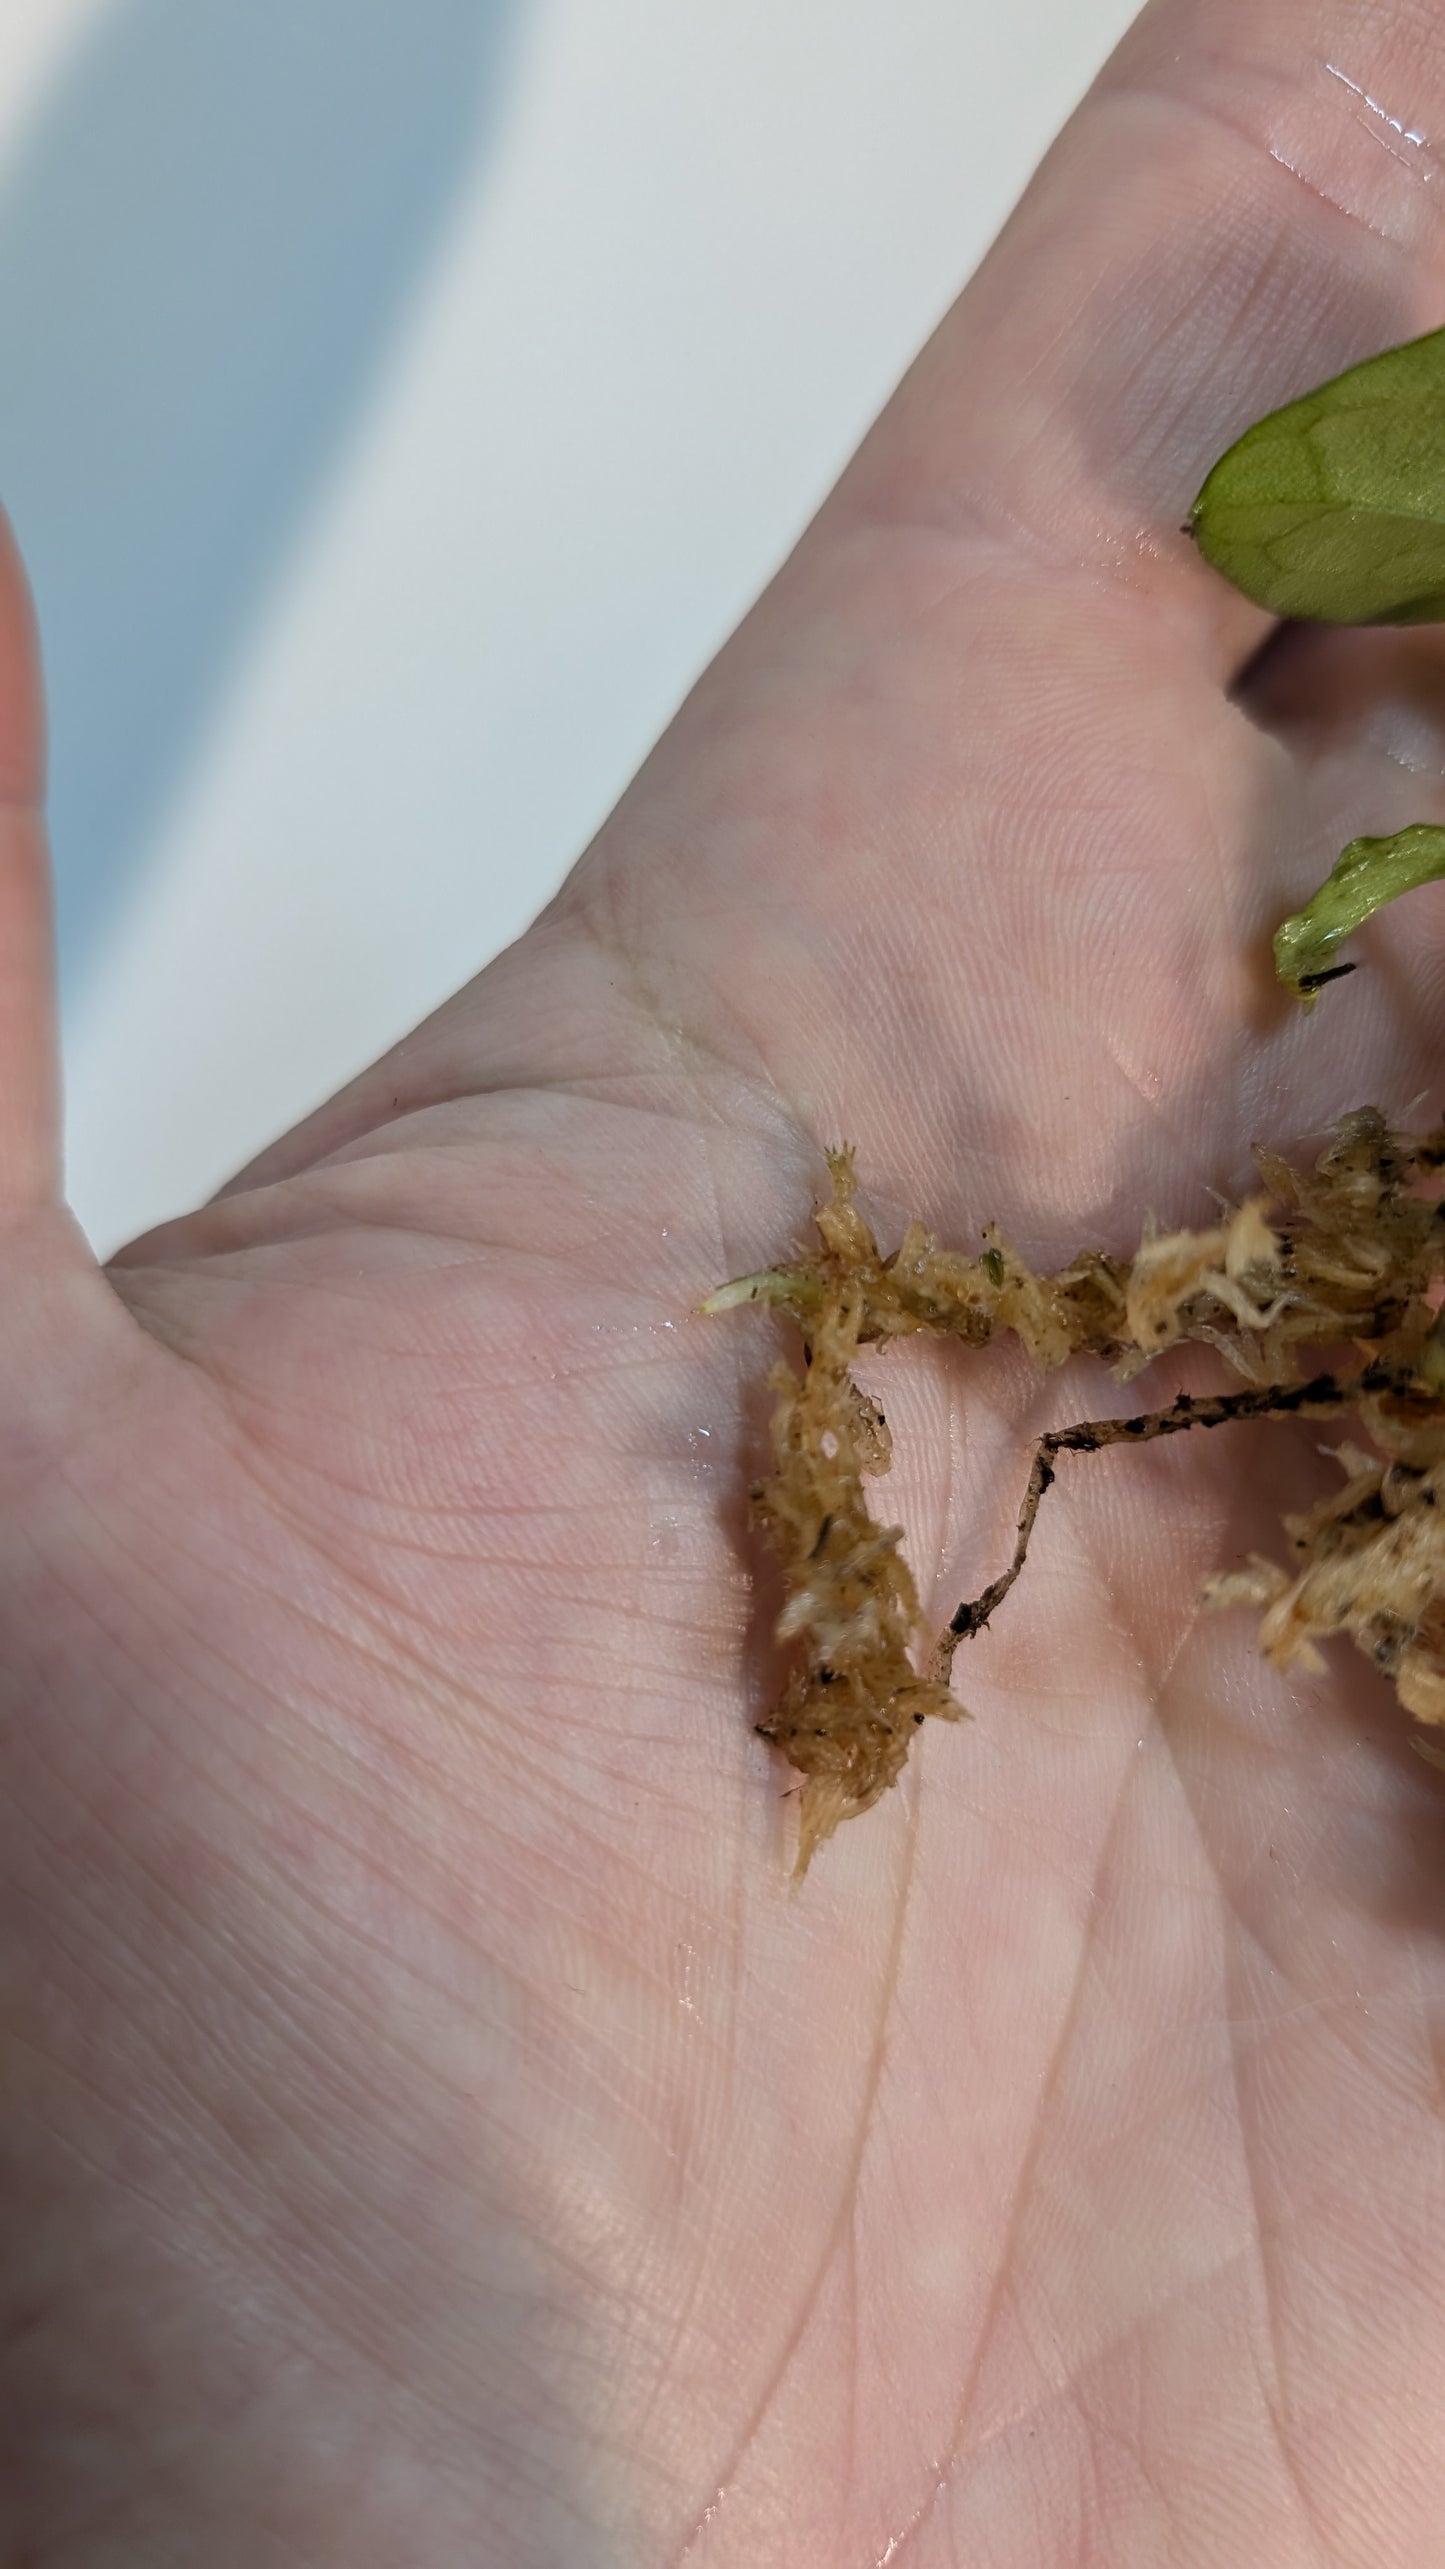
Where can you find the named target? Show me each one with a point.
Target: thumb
(29, 1043)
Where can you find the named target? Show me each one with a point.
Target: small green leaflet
(1332, 511)
(1333, 508)
(1371, 872)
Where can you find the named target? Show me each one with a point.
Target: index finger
(1249, 200)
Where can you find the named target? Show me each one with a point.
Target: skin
(430, 2132)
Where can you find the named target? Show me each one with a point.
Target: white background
(399, 401)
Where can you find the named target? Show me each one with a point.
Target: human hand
(433, 2133)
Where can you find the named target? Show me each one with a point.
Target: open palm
(433, 2133)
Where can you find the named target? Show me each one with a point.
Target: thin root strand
(1324, 1392)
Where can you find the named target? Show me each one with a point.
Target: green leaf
(1333, 509)
(1371, 872)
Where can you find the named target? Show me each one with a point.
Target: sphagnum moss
(1350, 1253)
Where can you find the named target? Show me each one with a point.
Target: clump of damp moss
(1348, 1253)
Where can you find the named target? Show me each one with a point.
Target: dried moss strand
(1350, 1251)
(1271, 1400)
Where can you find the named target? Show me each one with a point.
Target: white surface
(35, 36)
(685, 256)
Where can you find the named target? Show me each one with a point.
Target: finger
(1249, 200)
(29, 1068)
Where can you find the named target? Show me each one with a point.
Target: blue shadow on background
(205, 243)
